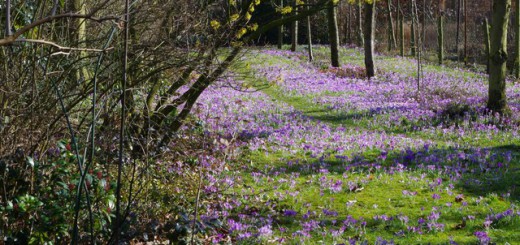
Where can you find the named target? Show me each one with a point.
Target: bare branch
(61, 48)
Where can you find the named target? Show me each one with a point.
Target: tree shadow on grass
(476, 171)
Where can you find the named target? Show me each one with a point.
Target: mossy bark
(370, 22)
(497, 101)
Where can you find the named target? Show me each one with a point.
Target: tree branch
(61, 48)
(90, 16)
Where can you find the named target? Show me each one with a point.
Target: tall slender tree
(440, 32)
(280, 29)
(517, 39)
(309, 36)
(487, 42)
(497, 101)
(413, 37)
(391, 34)
(360, 24)
(294, 28)
(348, 25)
(400, 17)
(370, 24)
(459, 6)
(465, 33)
(333, 33)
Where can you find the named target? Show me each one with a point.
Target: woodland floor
(327, 157)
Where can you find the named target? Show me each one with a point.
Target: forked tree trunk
(360, 25)
(370, 24)
(309, 37)
(294, 29)
(280, 30)
(497, 101)
(333, 34)
(391, 34)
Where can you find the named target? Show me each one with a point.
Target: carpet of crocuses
(320, 158)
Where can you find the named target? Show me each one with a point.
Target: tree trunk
(370, 23)
(309, 37)
(348, 30)
(333, 34)
(458, 28)
(360, 26)
(8, 18)
(294, 29)
(280, 30)
(465, 33)
(413, 40)
(517, 40)
(401, 28)
(487, 43)
(391, 34)
(440, 33)
(497, 101)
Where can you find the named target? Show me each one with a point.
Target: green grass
(382, 192)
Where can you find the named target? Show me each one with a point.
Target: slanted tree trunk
(487, 43)
(517, 40)
(370, 24)
(280, 30)
(440, 33)
(309, 37)
(391, 34)
(401, 28)
(294, 29)
(360, 25)
(497, 101)
(333, 34)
